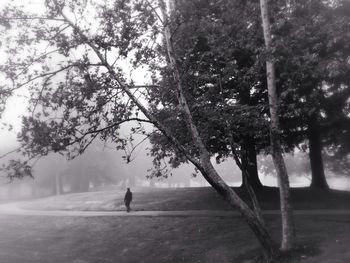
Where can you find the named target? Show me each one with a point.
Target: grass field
(28, 239)
(176, 239)
(204, 198)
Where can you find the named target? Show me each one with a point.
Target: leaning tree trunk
(283, 181)
(318, 177)
(205, 165)
(249, 164)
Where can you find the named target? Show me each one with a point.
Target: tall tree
(283, 181)
(95, 96)
(206, 167)
(313, 35)
(218, 53)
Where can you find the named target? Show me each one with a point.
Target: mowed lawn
(204, 198)
(38, 239)
(323, 238)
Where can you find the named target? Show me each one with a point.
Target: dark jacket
(128, 197)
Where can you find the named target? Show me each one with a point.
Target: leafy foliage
(219, 46)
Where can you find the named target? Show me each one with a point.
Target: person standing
(128, 199)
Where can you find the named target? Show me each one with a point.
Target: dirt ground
(29, 239)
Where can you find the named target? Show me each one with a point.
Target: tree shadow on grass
(302, 252)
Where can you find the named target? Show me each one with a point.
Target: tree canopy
(190, 75)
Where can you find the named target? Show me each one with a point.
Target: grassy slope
(159, 240)
(187, 199)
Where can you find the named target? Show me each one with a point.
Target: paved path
(13, 209)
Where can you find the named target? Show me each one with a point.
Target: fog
(102, 167)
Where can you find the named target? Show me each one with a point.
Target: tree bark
(253, 220)
(283, 180)
(248, 151)
(248, 187)
(249, 163)
(318, 177)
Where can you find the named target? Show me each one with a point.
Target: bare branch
(134, 147)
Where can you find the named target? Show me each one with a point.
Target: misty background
(104, 167)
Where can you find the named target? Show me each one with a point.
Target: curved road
(13, 209)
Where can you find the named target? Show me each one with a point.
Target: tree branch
(128, 92)
(96, 131)
(135, 146)
(10, 152)
(155, 12)
(34, 18)
(51, 74)
(38, 58)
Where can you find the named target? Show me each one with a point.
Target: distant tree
(313, 35)
(337, 153)
(339, 165)
(297, 164)
(47, 173)
(80, 178)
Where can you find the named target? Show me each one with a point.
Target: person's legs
(127, 204)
